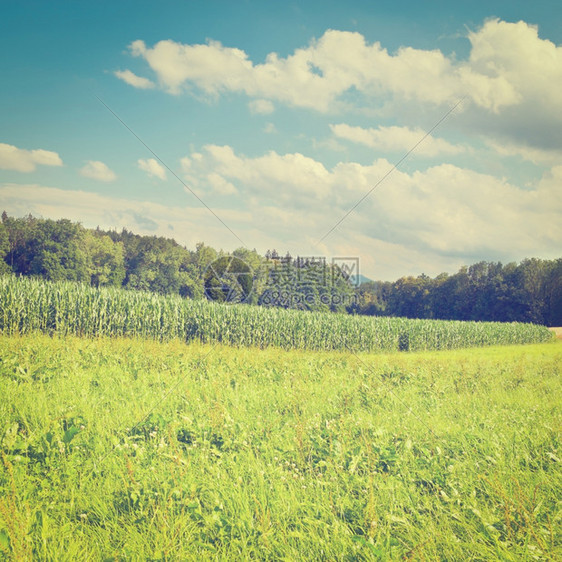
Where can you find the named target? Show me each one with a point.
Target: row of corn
(28, 305)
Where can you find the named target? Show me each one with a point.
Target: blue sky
(281, 117)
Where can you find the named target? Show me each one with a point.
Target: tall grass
(273, 455)
(30, 305)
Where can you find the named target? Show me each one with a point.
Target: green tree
(410, 297)
(371, 299)
(56, 251)
(258, 267)
(105, 261)
(160, 265)
(203, 257)
(553, 316)
(228, 279)
(21, 233)
(4, 249)
(534, 278)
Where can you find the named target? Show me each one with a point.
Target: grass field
(129, 449)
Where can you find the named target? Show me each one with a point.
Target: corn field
(32, 305)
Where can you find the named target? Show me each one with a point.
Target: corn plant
(28, 305)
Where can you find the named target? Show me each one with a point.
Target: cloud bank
(446, 209)
(396, 139)
(509, 65)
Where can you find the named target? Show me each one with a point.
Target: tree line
(530, 291)
(61, 250)
(64, 250)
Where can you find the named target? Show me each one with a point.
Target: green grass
(277, 455)
(29, 305)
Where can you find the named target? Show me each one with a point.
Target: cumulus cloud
(533, 68)
(133, 80)
(445, 210)
(97, 170)
(513, 51)
(531, 154)
(21, 160)
(261, 107)
(220, 185)
(508, 63)
(427, 221)
(396, 139)
(152, 167)
(283, 176)
(188, 224)
(511, 79)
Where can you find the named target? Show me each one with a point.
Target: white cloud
(396, 139)
(444, 210)
(186, 223)
(97, 170)
(153, 168)
(21, 160)
(535, 155)
(514, 52)
(510, 81)
(427, 221)
(270, 128)
(133, 80)
(220, 185)
(508, 63)
(533, 68)
(212, 67)
(281, 176)
(261, 107)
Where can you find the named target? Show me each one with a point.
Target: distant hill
(359, 279)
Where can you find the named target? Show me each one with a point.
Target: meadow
(32, 305)
(133, 449)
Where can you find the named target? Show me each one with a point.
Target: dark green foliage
(105, 261)
(306, 285)
(4, 249)
(4, 240)
(228, 279)
(492, 292)
(56, 251)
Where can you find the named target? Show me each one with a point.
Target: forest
(62, 250)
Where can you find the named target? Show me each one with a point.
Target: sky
(417, 137)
